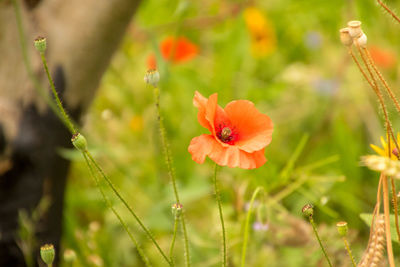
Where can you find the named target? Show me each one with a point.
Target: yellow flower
(263, 39)
(384, 151)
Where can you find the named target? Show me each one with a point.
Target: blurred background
(286, 57)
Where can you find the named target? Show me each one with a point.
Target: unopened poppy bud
(47, 253)
(262, 213)
(152, 77)
(354, 28)
(345, 37)
(342, 228)
(177, 209)
(40, 44)
(308, 210)
(362, 40)
(79, 142)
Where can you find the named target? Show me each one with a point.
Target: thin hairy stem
(221, 216)
(28, 66)
(171, 172)
(347, 246)
(171, 248)
(116, 192)
(110, 206)
(386, 210)
(314, 227)
(389, 11)
(382, 79)
(246, 226)
(65, 116)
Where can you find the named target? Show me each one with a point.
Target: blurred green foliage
(325, 116)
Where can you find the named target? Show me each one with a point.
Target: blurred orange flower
(383, 58)
(263, 39)
(239, 133)
(176, 50)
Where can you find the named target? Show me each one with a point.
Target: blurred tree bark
(81, 38)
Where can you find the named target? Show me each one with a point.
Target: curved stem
(314, 227)
(395, 207)
(221, 216)
(171, 249)
(116, 192)
(171, 172)
(247, 223)
(65, 117)
(110, 206)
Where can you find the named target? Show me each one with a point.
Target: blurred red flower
(383, 58)
(175, 50)
(239, 133)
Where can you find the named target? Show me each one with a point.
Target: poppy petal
(200, 147)
(200, 102)
(253, 127)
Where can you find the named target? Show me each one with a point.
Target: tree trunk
(81, 38)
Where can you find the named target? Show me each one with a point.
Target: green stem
(171, 249)
(64, 114)
(221, 217)
(319, 240)
(247, 224)
(40, 90)
(171, 172)
(114, 189)
(110, 206)
(346, 244)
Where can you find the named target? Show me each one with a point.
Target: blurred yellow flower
(136, 123)
(384, 151)
(263, 39)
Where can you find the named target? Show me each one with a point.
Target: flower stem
(389, 11)
(347, 246)
(247, 223)
(314, 227)
(171, 249)
(386, 210)
(110, 206)
(40, 90)
(171, 172)
(221, 217)
(65, 117)
(114, 189)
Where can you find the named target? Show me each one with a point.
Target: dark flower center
(226, 134)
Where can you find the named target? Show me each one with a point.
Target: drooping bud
(342, 228)
(177, 209)
(354, 28)
(345, 37)
(79, 142)
(152, 77)
(308, 210)
(47, 253)
(40, 44)
(395, 152)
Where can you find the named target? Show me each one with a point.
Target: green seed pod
(177, 209)
(308, 210)
(47, 253)
(40, 44)
(79, 142)
(342, 228)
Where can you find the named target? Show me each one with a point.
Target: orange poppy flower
(239, 133)
(383, 58)
(176, 50)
